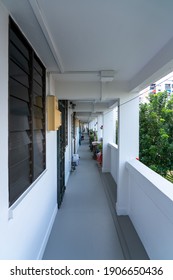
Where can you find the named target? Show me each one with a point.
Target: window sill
(21, 198)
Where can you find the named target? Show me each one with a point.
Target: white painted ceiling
(79, 38)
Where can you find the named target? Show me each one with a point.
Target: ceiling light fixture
(107, 75)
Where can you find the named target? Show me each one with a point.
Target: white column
(99, 124)
(95, 124)
(91, 125)
(128, 144)
(108, 137)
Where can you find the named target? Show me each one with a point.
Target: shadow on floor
(132, 246)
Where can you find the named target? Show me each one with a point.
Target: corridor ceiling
(77, 39)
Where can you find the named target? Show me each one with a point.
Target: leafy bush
(156, 133)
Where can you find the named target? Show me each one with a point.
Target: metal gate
(62, 142)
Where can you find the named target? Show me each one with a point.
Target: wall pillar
(92, 125)
(4, 207)
(128, 146)
(99, 124)
(108, 137)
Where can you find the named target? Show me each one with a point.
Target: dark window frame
(27, 115)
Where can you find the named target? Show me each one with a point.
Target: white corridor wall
(25, 226)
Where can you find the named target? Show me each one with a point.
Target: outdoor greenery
(92, 137)
(156, 134)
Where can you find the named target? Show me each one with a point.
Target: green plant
(92, 137)
(156, 133)
(100, 147)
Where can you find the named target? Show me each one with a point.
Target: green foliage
(156, 133)
(92, 136)
(100, 146)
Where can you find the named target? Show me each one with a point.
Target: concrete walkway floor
(85, 227)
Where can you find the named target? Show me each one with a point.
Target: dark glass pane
(37, 124)
(19, 180)
(38, 152)
(38, 170)
(38, 67)
(37, 89)
(18, 74)
(19, 113)
(38, 137)
(18, 90)
(18, 58)
(26, 122)
(18, 188)
(19, 155)
(38, 101)
(18, 139)
(18, 123)
(20, 170)
(39, 158)
(38, 164)
(18, 107)
(38, 113)
(37, 78)
(14, 38)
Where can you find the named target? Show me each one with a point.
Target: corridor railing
(150, 205)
